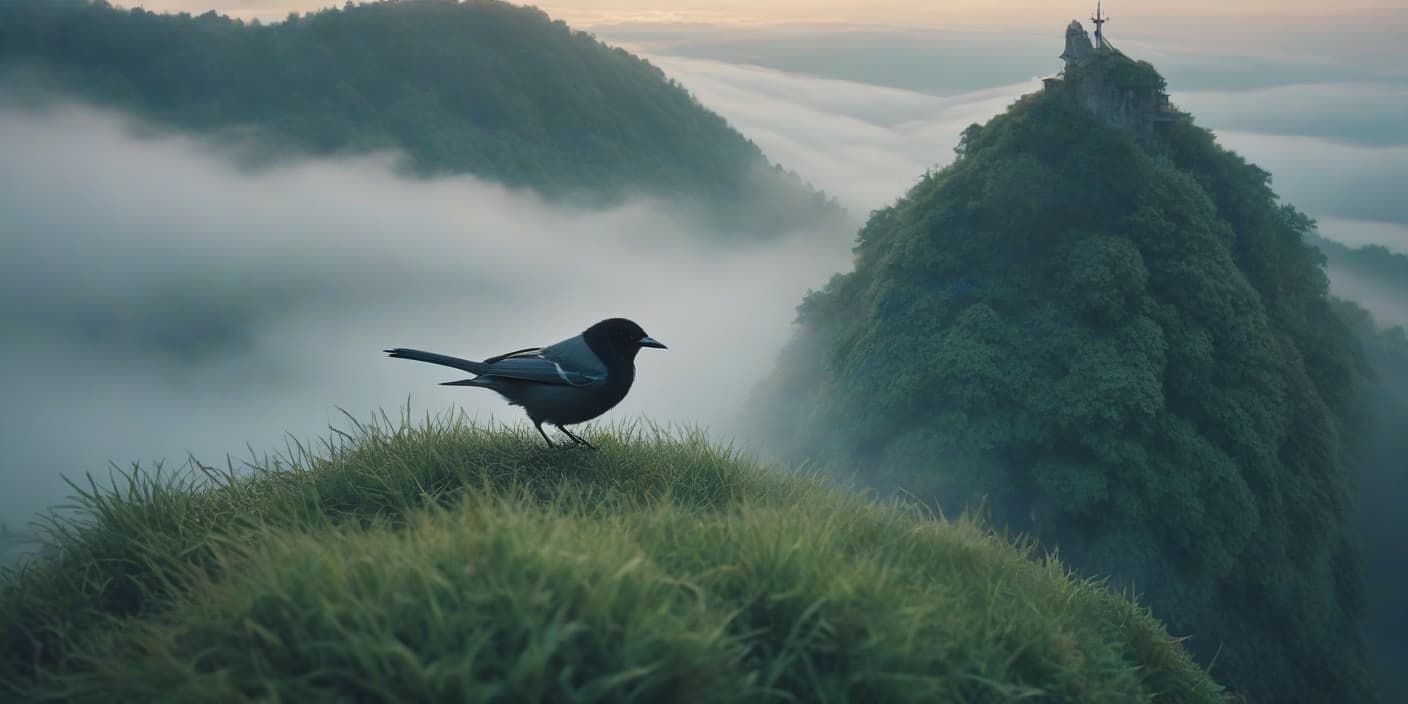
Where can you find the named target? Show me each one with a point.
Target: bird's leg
(539, 425)
(576, 439)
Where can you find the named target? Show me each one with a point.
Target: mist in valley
(159, 302)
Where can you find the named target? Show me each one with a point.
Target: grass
(440, 561)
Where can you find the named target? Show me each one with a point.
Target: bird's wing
(570, 362)
(526, 350)
(575, 355)
(539, 368)
(527, 365)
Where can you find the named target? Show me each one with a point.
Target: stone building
(1125, 92)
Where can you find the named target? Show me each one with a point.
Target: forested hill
(479, 87)
(1128, 352)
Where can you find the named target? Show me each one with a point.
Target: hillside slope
(480, 87)
(1129, 354)
(447, 562)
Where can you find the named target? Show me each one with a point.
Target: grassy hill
(481, 87)
(443, 561)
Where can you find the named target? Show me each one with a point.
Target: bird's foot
(575, 439)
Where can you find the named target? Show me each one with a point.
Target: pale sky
(992, 13)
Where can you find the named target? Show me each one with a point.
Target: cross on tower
(1099, 19)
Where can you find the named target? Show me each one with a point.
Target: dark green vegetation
(1131, 355)
(480, 87)
(446, 562)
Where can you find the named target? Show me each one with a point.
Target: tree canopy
(480, 87)
(1130, 354)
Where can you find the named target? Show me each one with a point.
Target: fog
(158, 301)
(864, 144)
(1388, 305)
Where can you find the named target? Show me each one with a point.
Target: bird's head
(621, 334)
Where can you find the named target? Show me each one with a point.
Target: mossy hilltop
(442, 561)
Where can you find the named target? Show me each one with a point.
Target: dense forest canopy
(1129, 353)
(480, 87)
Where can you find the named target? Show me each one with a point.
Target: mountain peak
(1126, 353)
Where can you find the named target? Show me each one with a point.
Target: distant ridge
(480, 87)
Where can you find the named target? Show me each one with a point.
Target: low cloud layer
(1385, 303)
(156, 300)
(1352, 113)
(864, 144)
(1328, 179)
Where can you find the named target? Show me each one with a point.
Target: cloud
(1330, 179)
(925, 60)
(864, 144)
(1387, 304)
(1358, 114)
(155, 299)
(1357, 233)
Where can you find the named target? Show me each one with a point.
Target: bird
(565, 383)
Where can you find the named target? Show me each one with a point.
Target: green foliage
(1128, 354)
(480, 87)
(447, 562)
(1136, 74)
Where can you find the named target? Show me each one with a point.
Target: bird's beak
(652, 342)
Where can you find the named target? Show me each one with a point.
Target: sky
(1002, 13)
(255, 309)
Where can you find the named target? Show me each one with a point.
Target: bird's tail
(441, 359)
(476, 381)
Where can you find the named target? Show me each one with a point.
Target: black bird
(569, 382)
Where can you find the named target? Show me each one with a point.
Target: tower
(1077, 45)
